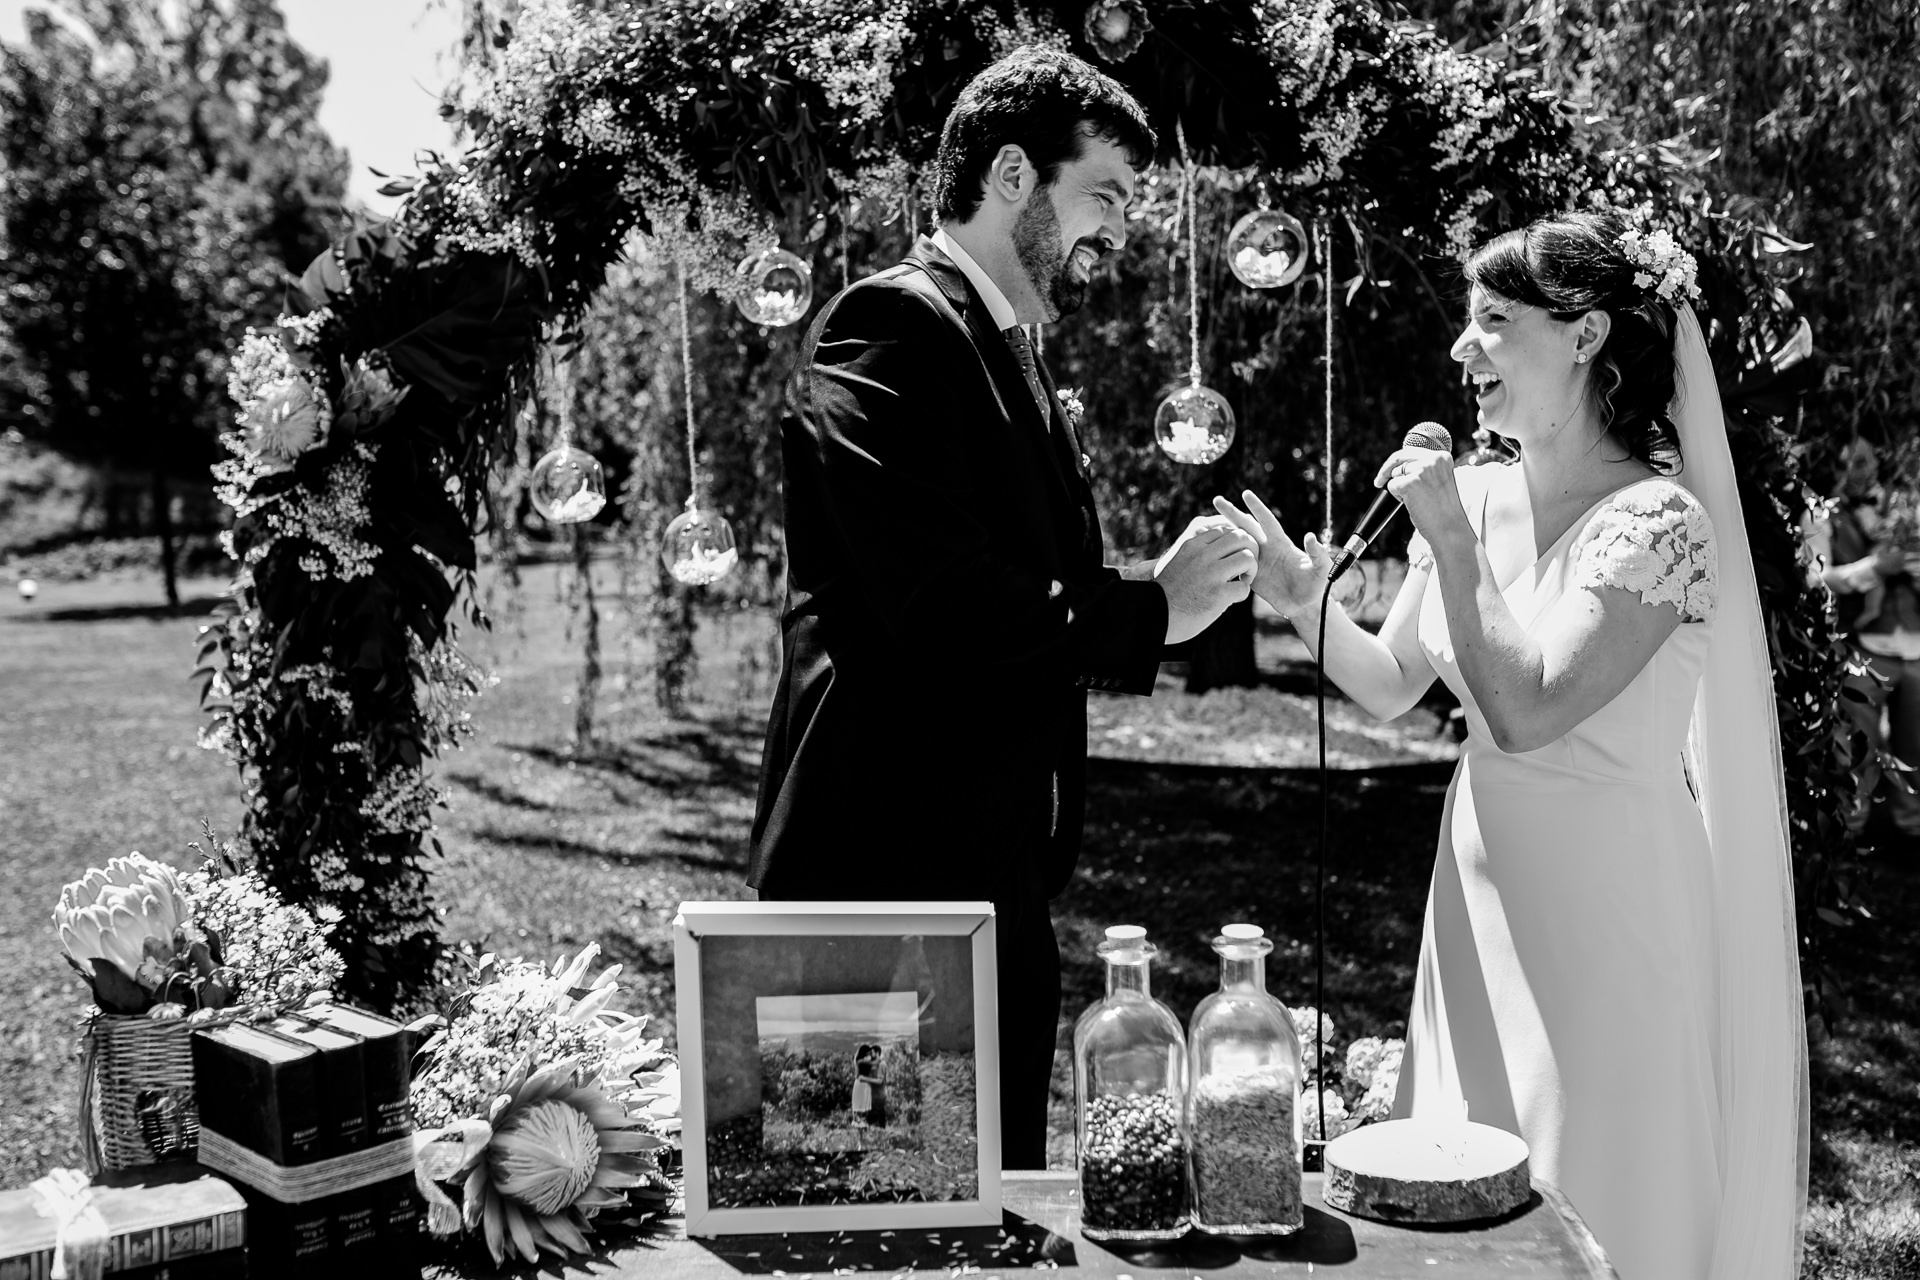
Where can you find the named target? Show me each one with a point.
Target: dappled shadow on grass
(1184, 849)
(123, 612)
(491, 791)
(693, 849)
(681, 756)
(1865, 1068)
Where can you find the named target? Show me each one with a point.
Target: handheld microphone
(1427, 435)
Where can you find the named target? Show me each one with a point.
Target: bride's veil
(1735, 747)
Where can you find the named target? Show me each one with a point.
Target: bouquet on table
(1359, 1086)
(162, 952)
(541, 1107)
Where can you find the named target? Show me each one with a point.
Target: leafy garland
(367, 422)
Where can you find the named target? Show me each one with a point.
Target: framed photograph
(839, 1065)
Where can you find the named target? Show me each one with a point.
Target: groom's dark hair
(1047, 103)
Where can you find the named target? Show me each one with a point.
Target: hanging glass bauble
(698, 548)
(1267, 249)
(1194, 424)
(1116, 28)
(779, 288)
(568, 486)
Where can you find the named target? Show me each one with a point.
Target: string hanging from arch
(686, 376)
(1194, 424)
(1193, 256)
(1323, 246)
(698, 548)
(568, 485)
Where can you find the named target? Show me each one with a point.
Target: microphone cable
(1320, 890)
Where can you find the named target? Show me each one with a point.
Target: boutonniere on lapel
(1071, 406)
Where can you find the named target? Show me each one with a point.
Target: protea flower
(286, 421)
(584, 1005)
(111, 912)
(368, 395)
(128, 929)
(561, 1150)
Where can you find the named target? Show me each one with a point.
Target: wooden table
(1543, 1241)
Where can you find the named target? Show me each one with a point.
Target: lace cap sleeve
(1655, 540)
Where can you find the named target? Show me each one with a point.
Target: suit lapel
(1009, 383)
(1061, 430)
(1066, 456)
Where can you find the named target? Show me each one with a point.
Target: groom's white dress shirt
(997, 305)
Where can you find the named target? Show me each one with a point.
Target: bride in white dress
(1608, 965)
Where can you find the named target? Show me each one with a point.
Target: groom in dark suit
(948, 605)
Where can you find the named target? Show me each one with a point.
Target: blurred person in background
(1868, 554)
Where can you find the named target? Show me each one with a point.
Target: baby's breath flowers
(279, 951)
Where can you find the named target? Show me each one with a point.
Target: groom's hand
(1209, 567)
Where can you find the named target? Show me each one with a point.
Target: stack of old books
(308, 1113)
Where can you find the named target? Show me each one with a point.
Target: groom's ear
(1012, 176)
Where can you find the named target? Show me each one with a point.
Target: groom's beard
(1036, 243)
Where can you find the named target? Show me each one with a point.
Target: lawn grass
(1200, 811)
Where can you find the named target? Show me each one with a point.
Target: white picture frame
(786, 956)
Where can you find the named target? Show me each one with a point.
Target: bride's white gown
(1567, 981)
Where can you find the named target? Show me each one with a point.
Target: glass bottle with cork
(1130, 1080)
(1243, 1113)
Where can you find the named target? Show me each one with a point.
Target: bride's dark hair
(1573, 264)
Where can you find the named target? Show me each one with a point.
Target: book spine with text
(267, 1106)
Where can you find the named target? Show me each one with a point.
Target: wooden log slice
(1422, 1171)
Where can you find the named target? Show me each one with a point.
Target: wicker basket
(136, 1092)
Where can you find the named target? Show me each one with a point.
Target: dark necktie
(1029, 368)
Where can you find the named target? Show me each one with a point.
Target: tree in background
(1805, 110)
(162, 167)
(630, 385)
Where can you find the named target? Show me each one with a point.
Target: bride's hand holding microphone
(1422, 480)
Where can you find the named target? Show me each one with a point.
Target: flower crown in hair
(1669, 271)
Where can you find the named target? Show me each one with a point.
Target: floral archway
(368, 419)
